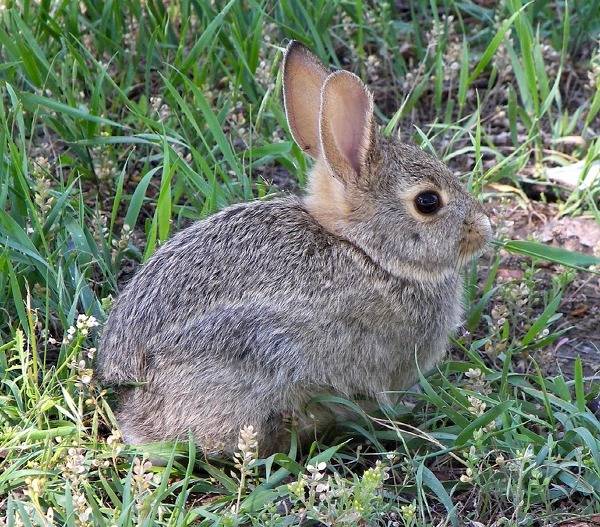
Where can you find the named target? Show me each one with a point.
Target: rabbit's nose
(478, 228)
(485, 225)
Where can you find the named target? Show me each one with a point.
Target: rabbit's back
(253, 252)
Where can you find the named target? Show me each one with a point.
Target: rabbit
(243, 317)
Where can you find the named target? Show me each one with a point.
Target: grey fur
(241, 318)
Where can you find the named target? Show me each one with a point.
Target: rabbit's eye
(428, 202)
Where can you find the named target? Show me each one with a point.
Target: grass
(121, 122)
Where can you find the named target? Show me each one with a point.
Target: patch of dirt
(580, 304)
(279, 177)
(588, 521)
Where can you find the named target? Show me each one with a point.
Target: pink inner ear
(303, 78)
(349, 111)
(306, 113)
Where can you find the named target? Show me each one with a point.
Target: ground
(580, 304)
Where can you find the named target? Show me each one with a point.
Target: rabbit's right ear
(303, 78)
(346, 125)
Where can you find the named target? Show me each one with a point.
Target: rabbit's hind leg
(140, 417)
(235, 366)
(214, 406)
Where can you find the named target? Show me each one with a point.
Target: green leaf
(557, 255)
(326, 455)
(442, 405)
(488, 54)
(137, 199)
(542, 320)
(428, 479)
(481, 421)
(31, 101)
(579, 386)
(207, 36)
(257, 500)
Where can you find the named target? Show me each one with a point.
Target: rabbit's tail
(118, 362)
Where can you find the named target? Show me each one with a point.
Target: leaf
(284, 461)
(493, 46)
(436, 400)
(326, 455)
(429, 479)
(579, 387)
(557, 255)
(207, 36)
(482, 421)
(30, 101)
(542, 320)
(476, 310)
(137, 199)
(588, 440)
(257, 500)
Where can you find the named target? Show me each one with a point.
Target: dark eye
(428, 202)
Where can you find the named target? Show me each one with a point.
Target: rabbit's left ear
(346, 125)
(303, 78)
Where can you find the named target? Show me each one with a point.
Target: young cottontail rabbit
(243, 317)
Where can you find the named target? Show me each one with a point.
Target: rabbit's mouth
(477, 232)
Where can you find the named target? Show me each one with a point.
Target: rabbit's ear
(346, 124)
(303, 78)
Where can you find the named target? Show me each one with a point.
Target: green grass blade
(557, 255)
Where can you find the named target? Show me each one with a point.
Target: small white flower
(85, 515)
(467, 477)
(114, 438)
(474, 373)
